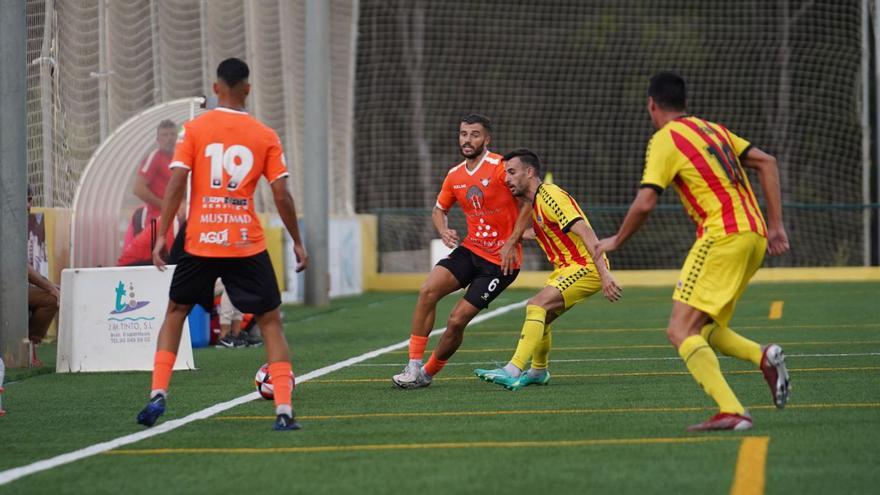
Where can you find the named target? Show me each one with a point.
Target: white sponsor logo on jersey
(242, 218)
(221, 237)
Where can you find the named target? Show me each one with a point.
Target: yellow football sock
(703, 365)
(530, 336)
(730, 343)
(541, 357)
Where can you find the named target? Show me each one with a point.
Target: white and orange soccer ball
(263, 382)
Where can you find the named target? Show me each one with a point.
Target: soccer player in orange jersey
(224, 152)
(564, 233)
(485, 262)
(704, 162)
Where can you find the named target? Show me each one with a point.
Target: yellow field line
(526, 412)
(776, 310)
(751, 464)
(429, 446)
(514, 331)
(650, 346)
(665, 317)
(607, 375)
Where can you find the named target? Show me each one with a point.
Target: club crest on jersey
(474, 196)
(485, 182)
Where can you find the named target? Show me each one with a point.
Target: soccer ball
(263, 382)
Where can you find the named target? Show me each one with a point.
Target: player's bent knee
(429, 293)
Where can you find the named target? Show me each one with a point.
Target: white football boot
(413, 376)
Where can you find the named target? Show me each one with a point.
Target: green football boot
(490, 375)
(526, 379)
(497, 376)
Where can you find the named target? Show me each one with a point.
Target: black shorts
(482, 277)
(250, 282)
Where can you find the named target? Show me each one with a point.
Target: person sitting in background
(139, 252)
(231, 333)
(43, 301)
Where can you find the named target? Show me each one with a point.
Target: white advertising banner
(346, 270)
(110, 317)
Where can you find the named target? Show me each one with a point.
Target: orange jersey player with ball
(485, 261)
(224, 153)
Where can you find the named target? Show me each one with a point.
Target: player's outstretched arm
(768, 176)
(449, 236)
(639, 211)
(170, 204)
(610, 288)
(287, 211)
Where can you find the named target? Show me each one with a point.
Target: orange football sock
(282, 386)
(434, 365)
(163, 365)
(417, 346)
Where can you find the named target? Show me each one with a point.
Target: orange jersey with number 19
(227, 152)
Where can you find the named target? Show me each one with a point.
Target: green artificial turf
(612, 419)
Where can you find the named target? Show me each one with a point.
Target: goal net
(568, 80)
(106, 62)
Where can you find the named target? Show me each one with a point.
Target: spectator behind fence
(151, 180)
(43, 299)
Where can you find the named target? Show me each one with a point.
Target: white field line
(15, 473)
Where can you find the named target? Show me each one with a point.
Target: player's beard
(477, 152)
(516, 191)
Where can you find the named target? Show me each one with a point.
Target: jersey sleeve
(740, 146)
(446, 198)
(276, 164)
(560, 207)
(184, 151)
(659, 162)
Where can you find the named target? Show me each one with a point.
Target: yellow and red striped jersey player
(704, 162)
(567, 238)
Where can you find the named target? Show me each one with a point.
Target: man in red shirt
(152, 179)
(223, 153)
(480, 262)
(139, 252)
